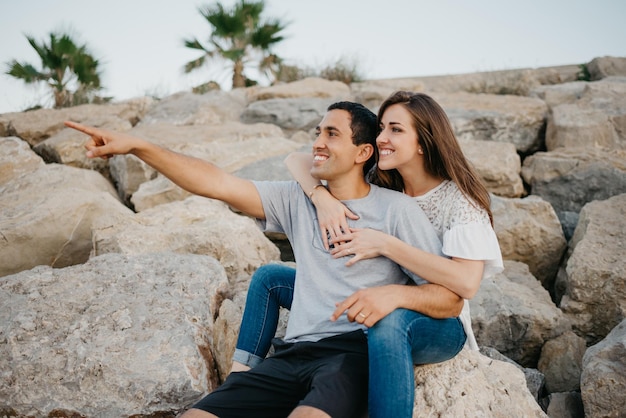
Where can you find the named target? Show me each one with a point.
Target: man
(320, 368)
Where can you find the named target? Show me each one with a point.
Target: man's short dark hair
(363, 124)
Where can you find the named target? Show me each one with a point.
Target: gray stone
(593, 280)
(561, 362)
(46, 216)
(514, 314)
(472, 385)
(603, 381)
(569, 178)
(529, 231)
(195, 225)
(116, 336)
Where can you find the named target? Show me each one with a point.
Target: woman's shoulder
(460, 208)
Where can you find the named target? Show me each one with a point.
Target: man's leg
(306, 412)
(397, 342)
(197, 413)
(271, 288)
(337, 377)
(271, 389)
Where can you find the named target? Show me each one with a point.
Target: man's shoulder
(392, 196)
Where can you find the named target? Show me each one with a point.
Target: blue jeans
(271, 288)
(397, 342)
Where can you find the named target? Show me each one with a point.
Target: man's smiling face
(334, 152)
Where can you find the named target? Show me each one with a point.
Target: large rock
(117, 336)
(212, 108)
(488, 117)
(573, 125)
(593, 280)
(498, 164)
(312, 87)
(37, 125)
(603, 67)
(569, 178)
(603, 381)
(291, 114)
(195, 225)
(596, 118)
(514, 314)
(561, 362)
(46, 216)
(16, 159)
(472, 385)
(529, 231)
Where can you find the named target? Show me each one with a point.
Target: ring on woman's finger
(361, 314)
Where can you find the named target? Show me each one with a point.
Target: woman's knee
(392, 327)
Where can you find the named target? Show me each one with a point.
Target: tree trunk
(238, 79)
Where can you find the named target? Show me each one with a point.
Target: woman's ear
(365, 153)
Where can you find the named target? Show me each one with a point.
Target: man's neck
(348, 190)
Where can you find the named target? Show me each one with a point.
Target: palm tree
(68, 69)
(237, 35)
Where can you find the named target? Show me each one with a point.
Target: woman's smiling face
(397, 142)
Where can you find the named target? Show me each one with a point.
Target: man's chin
(316, 174)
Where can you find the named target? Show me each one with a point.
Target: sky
(139, 43)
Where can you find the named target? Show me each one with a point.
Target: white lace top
(465, 231)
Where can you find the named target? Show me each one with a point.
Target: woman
(418, 155)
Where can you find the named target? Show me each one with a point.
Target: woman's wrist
(313, 191)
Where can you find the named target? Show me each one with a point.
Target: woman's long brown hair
(443, 157)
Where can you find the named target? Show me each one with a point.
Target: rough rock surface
(116, 336)
(603, 381)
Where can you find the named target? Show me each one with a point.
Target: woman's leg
(397, 342)
(271, 288)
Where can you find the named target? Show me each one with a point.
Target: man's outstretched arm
(192, 174)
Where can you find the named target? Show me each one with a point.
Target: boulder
(116, 336)
(498, 164)
(472, 385)
(602, 67)
(603, 380)
(500, 118)
(592, 284)
(597, 118)
(569, 178)
(561, 362)
(529, 231)
(514, 314)
(308, 88)
(185, 108)
(46, 216)
(290, 114)
(17, 159)
(36, 126)
(195, 225)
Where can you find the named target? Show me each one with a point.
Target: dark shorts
(330, 374)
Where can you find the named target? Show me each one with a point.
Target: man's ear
(365, 152)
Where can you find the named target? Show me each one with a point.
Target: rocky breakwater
(121, 295)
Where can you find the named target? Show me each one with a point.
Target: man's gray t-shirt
(321, 280)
